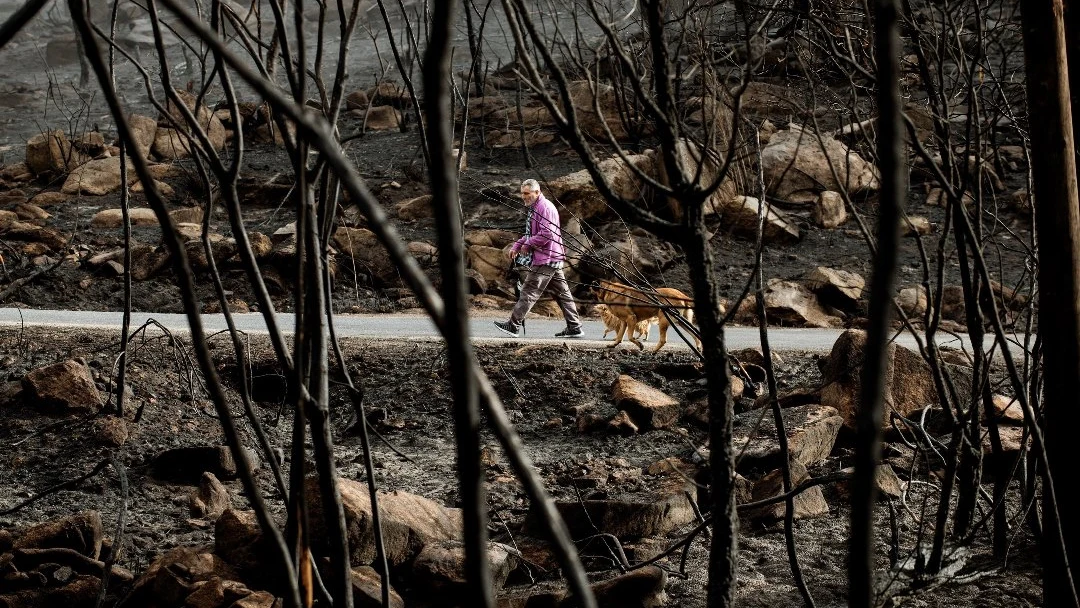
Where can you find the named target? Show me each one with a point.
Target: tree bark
(1058, 225)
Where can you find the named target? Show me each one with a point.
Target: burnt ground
(542, 387)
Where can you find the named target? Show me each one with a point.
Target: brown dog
(632, 306)
(613, 323)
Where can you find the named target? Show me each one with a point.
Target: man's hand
(511, 254)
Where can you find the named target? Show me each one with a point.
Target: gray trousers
(539, 279)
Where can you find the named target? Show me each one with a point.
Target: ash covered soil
(547, 391)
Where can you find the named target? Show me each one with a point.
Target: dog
(632, 306)
(613, 323)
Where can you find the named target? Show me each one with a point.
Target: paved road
(418, 327)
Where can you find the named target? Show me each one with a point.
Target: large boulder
(174, 146)
(440, 567)
(144, 132)
(81, 532)
(409, 522)
(578, 194)
(658, 508)
(490, 262)
(811, 432)
(909, 384)
(648, 407)
(701, 166)
(740, 215)
(807, 504)
(97, 177)
(637, 249)
(798, 164)
(585, 97)
(792, 304)
(51, 153)
(67, 387)
(837, 288)
(368, 254)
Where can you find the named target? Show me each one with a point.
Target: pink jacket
(545, 237)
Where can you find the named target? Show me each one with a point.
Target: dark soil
(542, 387)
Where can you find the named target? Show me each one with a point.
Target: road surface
(419, 327)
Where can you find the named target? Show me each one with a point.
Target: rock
(73, 591)
(584, 97)
(426, 254)
(642, 588)
(186, 465)
(389, 93)
(97, 177)
(490, 262)
(885, 482)
(144, 133)
(621, 424)
(741, 215)
(239, 541)
(798, 164)
(1006, 411)
(912, 300)
(810, 503)
(655, 510)
(261, 245)
(909, 385)
(81, 532)
(829, 210)
(704, 166)
(638, 249)
(415, 208)
(490, 238)
(475, 281)
(811, 431)
(35, 235)
(212, 498)
(171, 578)
(915, 225)
(367, 589)
(188, 215)
(210, 124)
(577, 193)
(367, 253)
(357, 100)
(51, 154)
(440, 567)
(111, 431)
(31, 213)
(47, 198)
(258, 599)
(114, 218)
(789, 303)
(409, 522)
(67, 387)
(383, 118)
(577, 246)
(837, 288)
(7, 218)
(170, 144)
(648, 407)
(512, 139)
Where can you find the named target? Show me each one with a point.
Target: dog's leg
(632, 324)
(618, 336)
(663, 323)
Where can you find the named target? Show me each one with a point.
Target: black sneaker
(508, 328)
(570, 333)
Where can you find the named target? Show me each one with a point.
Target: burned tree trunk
(1058, 224)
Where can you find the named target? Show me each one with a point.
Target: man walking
(542, 251)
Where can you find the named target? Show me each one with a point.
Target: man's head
(530, 191)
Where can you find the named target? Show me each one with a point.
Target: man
(542, 251)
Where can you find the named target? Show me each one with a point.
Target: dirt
(542, 388)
